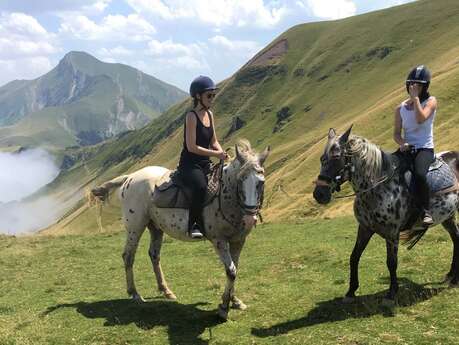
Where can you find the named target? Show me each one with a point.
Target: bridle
(345, 174)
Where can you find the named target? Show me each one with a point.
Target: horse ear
(262, 156)
(344, 138)
(239, 156)
(331, 133)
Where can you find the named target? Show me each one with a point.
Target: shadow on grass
(365, 306)
(185, 322)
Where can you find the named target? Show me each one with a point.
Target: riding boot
(195, 224)
(424, 196)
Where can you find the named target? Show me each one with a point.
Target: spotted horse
(383, 203)
(226, 217)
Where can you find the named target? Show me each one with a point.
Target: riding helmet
(201, 84)
(421, 75)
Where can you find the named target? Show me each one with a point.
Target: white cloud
(118, 51)
(248, 47)
(112, 27)
(216, 13)
(24, 47)
(87, 7)
(331, 9)
(187, 56)
(24, 68)
(32, 170)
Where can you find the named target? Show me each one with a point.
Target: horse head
(333, 172)
(250, 177)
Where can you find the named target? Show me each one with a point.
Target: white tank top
(420, 135)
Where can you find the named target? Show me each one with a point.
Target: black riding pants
(421, 162)
(195, 178)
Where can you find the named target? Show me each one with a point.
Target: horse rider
(416, 117)
(199, 144)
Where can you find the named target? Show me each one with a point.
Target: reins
(383, 180)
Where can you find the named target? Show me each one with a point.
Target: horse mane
(367, 157)
(251, 161)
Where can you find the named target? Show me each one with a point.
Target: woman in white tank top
(415, 116)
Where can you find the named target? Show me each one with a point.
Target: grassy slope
(347, 78)
(71, 289)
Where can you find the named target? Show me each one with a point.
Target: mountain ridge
(117, 97)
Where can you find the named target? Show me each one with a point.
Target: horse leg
(132, 241)
(223, 250)
(363, 237)
(235, 251)
(392, 258)
(453, 275)
(156, 240)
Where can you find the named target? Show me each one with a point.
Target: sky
(173, 40)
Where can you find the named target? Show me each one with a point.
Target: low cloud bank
(22, 174)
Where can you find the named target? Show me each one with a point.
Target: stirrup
(427, 219)
(195, 232)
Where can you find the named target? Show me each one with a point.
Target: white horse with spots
(228, 218)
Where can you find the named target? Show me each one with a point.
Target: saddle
(171, 192)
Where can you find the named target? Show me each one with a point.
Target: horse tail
(98, 195)
(411, 237)
(101, 193)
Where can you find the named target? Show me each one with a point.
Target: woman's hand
(405, 147)
(222, 155)
(414, 90)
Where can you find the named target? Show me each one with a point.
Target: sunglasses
(210, 95)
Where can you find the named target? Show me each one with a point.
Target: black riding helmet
(421, 75)
(201, 84)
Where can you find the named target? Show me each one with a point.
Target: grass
(71, 290)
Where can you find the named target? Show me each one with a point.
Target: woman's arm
(190, 138)
(398, 129)
(214, 143)
(422, 114)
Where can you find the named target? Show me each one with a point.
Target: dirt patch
(269, 54)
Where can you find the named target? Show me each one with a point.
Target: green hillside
(81, 101)
(310, 78)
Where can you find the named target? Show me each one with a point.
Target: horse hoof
(348, 300)
(238, 304)
(222, 313)
(138, 299)
(170, 295)
(453, 284)
(387, 302)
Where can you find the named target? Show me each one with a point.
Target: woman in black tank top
(199, 144)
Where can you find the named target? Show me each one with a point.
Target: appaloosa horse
(383, 203)
(241, 195)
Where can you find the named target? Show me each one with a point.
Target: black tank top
(203, 138)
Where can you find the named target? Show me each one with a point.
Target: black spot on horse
(397, 209)
(131, 211)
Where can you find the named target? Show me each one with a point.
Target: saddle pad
(439, 177)
(167, 194)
